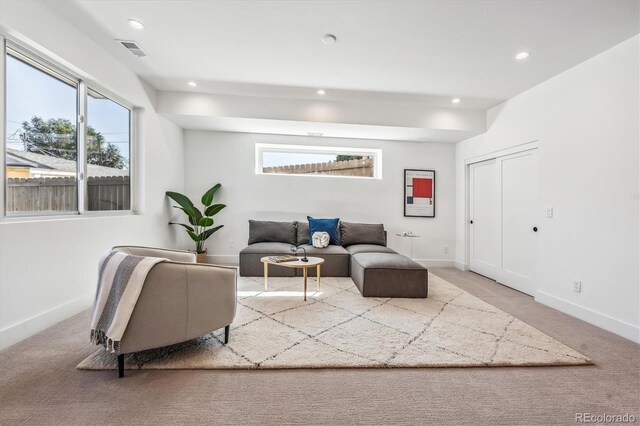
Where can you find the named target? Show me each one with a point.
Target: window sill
(64, 216)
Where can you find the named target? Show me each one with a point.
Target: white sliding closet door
(519, 188)
(484, 210)
(503, 201)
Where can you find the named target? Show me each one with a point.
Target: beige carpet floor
(337, 328)
(40, 384)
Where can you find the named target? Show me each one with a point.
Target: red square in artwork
(422, 188)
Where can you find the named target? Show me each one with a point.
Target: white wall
(586, 123)
(48, 268)
(229, 158)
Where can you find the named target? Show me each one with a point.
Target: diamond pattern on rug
(365, 338)
(426, 307)
(244, 316)
(352, 302)
(401, 319)
(493, 323)
(314, 318)
(312, 353)
(263, 339)
(336, 328)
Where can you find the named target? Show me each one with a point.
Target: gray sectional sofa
(377, 270)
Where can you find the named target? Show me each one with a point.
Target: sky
(31, 92)
(273, 159)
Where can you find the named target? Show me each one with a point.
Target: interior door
(519, 202)
(484, 218)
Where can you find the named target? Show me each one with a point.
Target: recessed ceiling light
(455, 100)
(523, 55)
(192, 84)
(329, 39)
(136, 24)
(321, 92)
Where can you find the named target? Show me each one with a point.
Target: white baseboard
(20, 331)
(461, 266)
(624, 329)
(435, 263)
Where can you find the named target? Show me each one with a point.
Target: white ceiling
(462, 48)
(416, 53)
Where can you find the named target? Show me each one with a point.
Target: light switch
(549, 212)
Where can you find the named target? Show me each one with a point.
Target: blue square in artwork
(409, 200)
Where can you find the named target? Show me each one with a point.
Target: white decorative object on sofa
(320, 239)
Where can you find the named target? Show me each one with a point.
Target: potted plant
(200, 222)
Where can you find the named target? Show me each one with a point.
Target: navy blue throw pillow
(330, 226)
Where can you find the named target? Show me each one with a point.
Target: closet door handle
(535, 229)
(471, 222)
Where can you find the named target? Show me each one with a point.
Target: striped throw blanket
(120, 281)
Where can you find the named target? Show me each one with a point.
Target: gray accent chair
(377, 270)
(180, 300)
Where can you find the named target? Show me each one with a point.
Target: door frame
(527, 146)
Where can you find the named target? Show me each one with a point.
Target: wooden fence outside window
(60, 194)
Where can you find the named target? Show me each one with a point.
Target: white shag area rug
(338, 328)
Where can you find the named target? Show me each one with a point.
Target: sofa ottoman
(388, 275)
(368, 248)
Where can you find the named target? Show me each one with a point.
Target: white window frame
(83, 86)
(376, 153)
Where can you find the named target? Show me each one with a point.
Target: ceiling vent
(133, 47)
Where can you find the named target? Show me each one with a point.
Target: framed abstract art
(419, 193)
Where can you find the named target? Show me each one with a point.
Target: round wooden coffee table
(299, 264)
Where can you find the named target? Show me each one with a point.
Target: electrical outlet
(446, 249)
(577, 286)
(549, 212)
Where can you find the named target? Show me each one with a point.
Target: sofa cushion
(330, 226)
(302, 229)
(361, 233)
(368, 248)
(327, 251)
(267, 248)
(251, 266)
(268, 231)
(336, 261)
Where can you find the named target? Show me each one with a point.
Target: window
(67, 143)
(302, 160)
(41, 143)
(108, 152)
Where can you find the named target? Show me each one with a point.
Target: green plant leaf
(191, 215)
(214, 209)
(206, 234)
(182, 200)
(197, 214)
(205, 222)
(187, 227)
(194, 236)
(207, 198)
